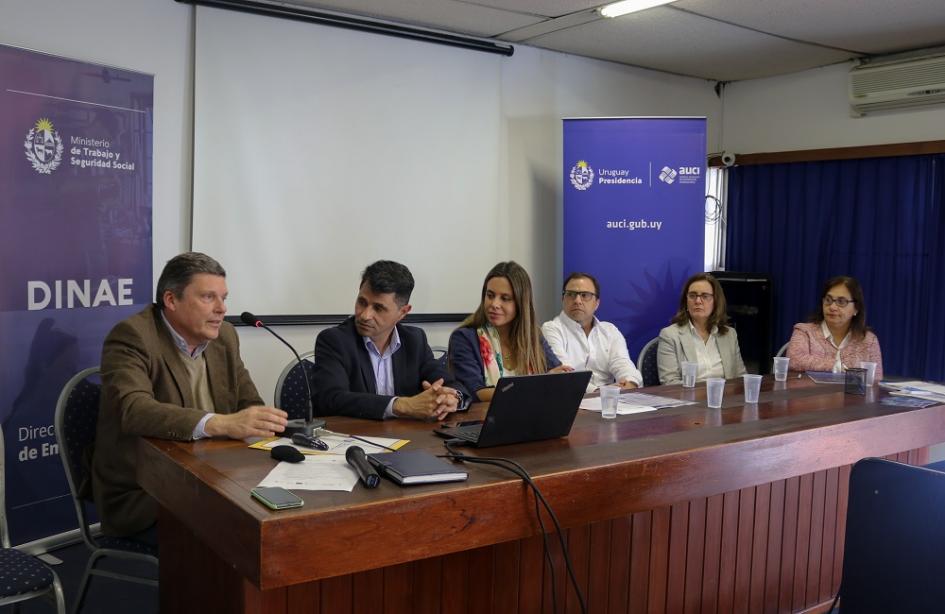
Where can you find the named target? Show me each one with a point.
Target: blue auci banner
(634, 198)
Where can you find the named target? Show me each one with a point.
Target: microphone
(298, 425)
(356, 458)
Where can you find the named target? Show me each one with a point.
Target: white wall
(809, 110)
(538, 89)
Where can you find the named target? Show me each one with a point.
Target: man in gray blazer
(171, 371)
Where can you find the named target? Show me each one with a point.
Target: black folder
(415, 467)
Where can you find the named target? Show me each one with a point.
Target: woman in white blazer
(700, 333)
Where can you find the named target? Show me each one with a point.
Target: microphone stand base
(301, 425)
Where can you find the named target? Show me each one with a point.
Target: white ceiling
(722, 40)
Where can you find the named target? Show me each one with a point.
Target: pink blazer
(809, 350)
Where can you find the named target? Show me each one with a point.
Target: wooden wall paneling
(260, 602)
(506, 564)
(579, 543)
(337, 594)
(368, 590)
(398, 589)
(843, 491)
(598, 571)
(428, 584)
(455, 583)
(776, 515)
(695, 556)
(621, 546)
(744, 550)
(815, 555)
(728, 552)
(555, 577)
(759, 549)
(531, 573)
(676, 562)
(641, 530)
(480, 573)
(830, 535)
(788, 544)
(659, 559)
(713, 549)
(805, 495)
(304, 598)
(836, 153)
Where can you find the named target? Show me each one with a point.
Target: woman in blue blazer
(502, 336)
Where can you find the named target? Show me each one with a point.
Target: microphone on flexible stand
(298, 425)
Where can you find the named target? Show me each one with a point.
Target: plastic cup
(714, 387)
(780, 368)
(752, 388)
(689, 370)
(870, 371)
(608, 401)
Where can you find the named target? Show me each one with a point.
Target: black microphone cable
(514, 467)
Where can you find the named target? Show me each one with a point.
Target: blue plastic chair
(76, 421)
(647, 364)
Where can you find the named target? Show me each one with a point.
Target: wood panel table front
(687, 509)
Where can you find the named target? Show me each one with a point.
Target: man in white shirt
(582, 341)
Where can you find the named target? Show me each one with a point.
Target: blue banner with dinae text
(75, 252)
(634, 202)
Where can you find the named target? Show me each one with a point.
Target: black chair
(440, 353)
(22, 577)
(290, 387)
(894, 548)
(76, 419)
(647, 364)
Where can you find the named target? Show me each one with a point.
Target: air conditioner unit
(893, 85)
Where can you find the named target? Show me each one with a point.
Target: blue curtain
(881, 220)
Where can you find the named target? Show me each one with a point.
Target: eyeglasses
(705, 296)
(571, 295)
(841, 302)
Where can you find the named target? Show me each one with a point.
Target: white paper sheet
(623, 409)
(316, 472)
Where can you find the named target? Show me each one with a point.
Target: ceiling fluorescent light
(630, 6)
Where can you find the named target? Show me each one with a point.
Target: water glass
(689, 370)
(714, 387)
(870, 371)
(752, 388)
(781, 368)
(608, 401)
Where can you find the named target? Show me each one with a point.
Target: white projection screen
(318, 150)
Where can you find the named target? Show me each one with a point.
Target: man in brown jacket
(171, 371)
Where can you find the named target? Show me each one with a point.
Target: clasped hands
(435, 402)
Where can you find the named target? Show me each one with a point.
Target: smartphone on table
(276, 498)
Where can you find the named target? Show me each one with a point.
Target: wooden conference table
(686, 509)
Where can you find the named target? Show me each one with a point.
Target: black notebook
(415, 467)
